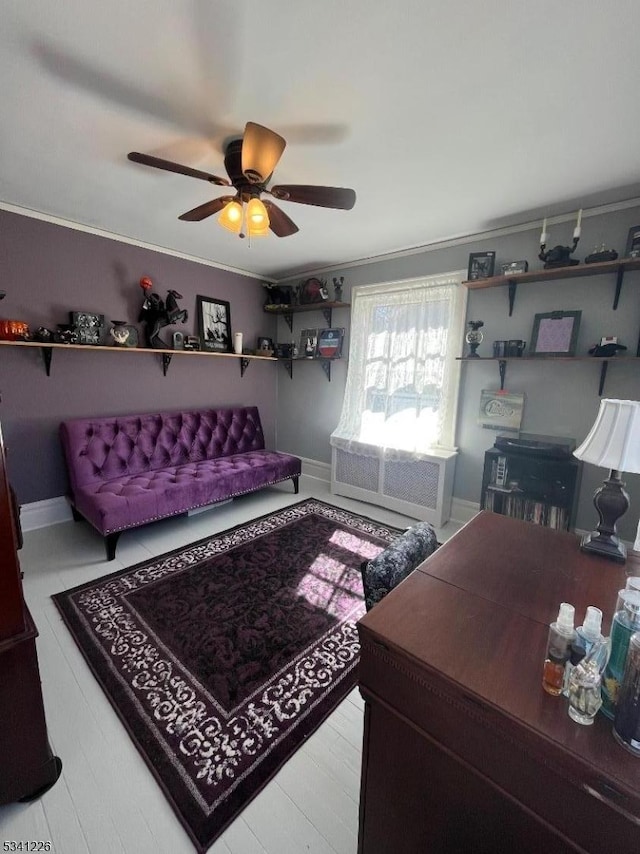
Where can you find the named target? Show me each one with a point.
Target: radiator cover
(419, 488)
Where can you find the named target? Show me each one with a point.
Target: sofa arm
(381, 574)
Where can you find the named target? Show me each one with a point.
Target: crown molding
(120, 238)
(462, 239)
(446, 243)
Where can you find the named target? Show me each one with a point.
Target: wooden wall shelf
(287, 311)
(619, 266)
(166, 355)
(325, 363)
(502, 363)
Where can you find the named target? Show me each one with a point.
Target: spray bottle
(561, 636)
(586, 636)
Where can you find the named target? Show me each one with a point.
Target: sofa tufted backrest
(98, 449)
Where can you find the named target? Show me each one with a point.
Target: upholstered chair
(381, 574)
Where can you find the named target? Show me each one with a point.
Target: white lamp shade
(614, 440)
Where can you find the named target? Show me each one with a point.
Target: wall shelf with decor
(619, 267)
(325, 363)
(287, 311)
(166, 355)
(502, 363)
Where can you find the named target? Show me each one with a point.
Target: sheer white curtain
(402, 384)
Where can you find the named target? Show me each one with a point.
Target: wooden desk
(463, 750)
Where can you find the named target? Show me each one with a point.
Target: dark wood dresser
(27, 766)
(463, 750)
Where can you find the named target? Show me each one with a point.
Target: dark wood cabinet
(463, 750)
(27, 765)
(531, 487)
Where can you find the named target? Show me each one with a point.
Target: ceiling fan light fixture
(257, 213)
(231, 217)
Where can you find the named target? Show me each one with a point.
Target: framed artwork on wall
(214, 324)
(555, 333)
(501, 410)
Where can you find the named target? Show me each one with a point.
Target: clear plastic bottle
(585, 684)
(587, 635)
(561, 636)
(626, 621)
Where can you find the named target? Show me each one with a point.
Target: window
(402, 383)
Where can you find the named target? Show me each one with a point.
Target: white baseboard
(463, 511)
(317, 470)
(40, 514)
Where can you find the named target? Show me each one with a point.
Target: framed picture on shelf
(555, 333)
(633, 243)
(308, 343)
(481, 265)
(214, 324)
(514, 267)
(264, 346)
(330, 343)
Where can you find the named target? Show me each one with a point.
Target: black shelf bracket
(326, 364)
(244, 364)
(502, 367)
(327, 315)
(47, 354)
(619, 279)
(288, 316)
(513, 286)
(288, 363)
(166, 361)
(603, 376)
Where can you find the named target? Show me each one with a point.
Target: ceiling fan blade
(279, 223)
(205, 210)
(169, 166)
(261, 150)
(324, 197)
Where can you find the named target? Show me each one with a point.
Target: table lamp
(614, 443)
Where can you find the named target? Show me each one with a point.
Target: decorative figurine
(607, 347)
(155, 315)
(474, 337)
(338, 284)
(602, 254)
(119, 332)
(559, 256)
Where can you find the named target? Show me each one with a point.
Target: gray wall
(48, 270)
(561, 398)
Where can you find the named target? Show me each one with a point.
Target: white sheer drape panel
(398, 396)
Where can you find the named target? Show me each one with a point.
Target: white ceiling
(448, 119)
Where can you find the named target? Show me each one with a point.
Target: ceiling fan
(250, 162)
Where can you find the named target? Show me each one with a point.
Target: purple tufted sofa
(125, 471)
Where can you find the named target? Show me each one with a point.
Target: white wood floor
(106, 801)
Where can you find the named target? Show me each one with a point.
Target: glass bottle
(626, 621)
(586, 636)
(561, 635)
(585, 684)
(626, 727)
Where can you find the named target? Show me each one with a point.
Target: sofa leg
(110, 542)
(295, 484)
(77, 517)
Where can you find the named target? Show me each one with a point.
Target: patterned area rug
(222, 657)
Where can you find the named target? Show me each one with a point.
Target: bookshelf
(537, 489)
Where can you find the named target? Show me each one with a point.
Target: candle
(543, 235)
(577, 229)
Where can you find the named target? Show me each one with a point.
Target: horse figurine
(156, 315)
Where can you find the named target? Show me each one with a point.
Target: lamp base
(604, 546)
